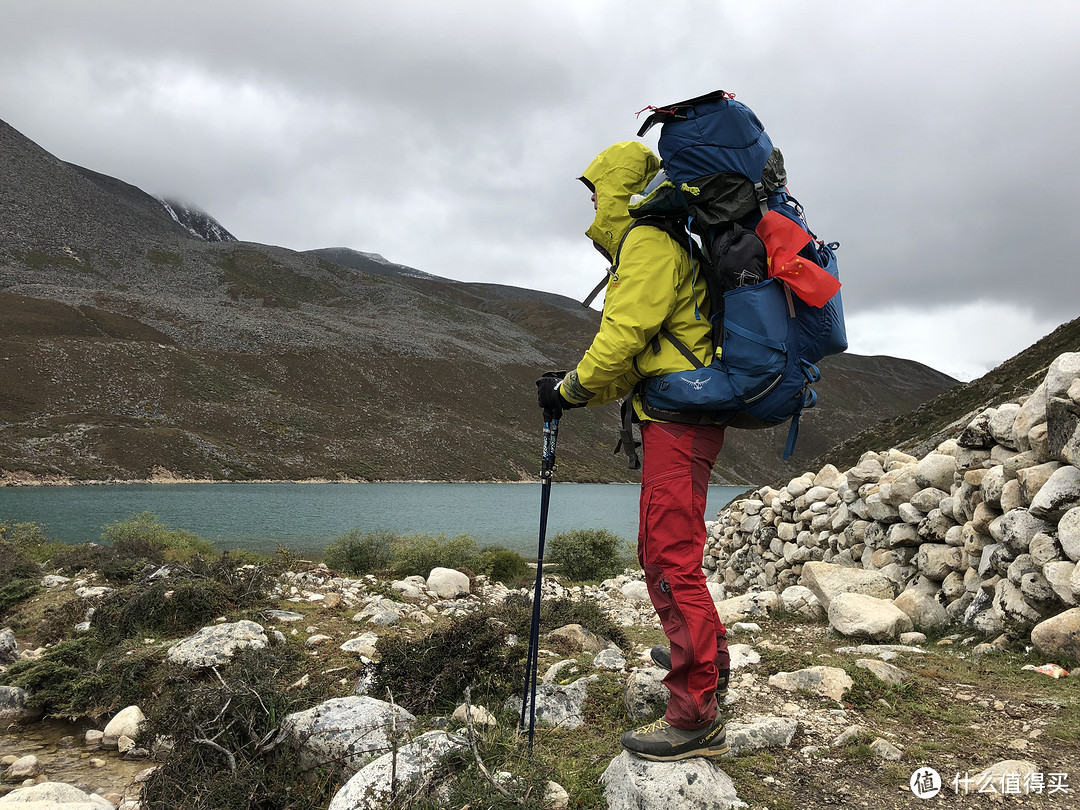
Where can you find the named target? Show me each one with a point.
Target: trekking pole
(547, 468)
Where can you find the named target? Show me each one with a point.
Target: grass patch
(748, 771)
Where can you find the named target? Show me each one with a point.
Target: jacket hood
(616, 174)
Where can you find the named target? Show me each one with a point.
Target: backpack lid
(679, 110)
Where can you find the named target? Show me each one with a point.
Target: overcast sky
(934, 140)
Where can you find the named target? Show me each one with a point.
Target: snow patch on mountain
(197, 222)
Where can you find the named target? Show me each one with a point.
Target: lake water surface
(305, 517)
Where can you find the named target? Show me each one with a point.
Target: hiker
(653, 285)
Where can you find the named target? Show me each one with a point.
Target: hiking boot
(663, 742)
(661, 656)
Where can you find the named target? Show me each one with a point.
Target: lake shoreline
(23, 479)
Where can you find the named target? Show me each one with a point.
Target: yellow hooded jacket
(653, 286)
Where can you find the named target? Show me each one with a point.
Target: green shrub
(133, 545)
(16, 564)
(431, 674)
(502, 565)
(417, 554)
(31, 538)
(358, 553)
(240, 711)
(116, 564)
(172, 610)
(556, 613)
(16, 591)
(176, 545)
(588, 554)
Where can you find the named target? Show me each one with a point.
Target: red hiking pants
(676, 464)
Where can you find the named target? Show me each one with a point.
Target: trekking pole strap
(627, 444)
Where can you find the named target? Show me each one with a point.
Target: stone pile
(982, 531)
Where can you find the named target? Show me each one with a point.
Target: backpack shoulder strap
(682, 347)
(672, 228)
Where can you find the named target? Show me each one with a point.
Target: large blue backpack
(722, 174)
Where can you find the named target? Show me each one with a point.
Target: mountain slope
(129, 343)
(945, 416)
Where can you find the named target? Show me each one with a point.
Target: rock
(800, 600)
(1010, 776)
(977, 434)
(1015, 529)
(13, 708)
(346, 731)
(831, 682)
(1059, 575)
(761, 732)
(448, 583)
(632, 783)
(866, 617)
(636, 591)
(935, 470)
(370, 788)
(827, 580)
(53, 796)
(9, 647)
(883, 671)
(937, 560)
(1031, 413)
(1058, 495)
(124, 724)
(1003, 424)
(886, 750)
(362, 645)
(93, 592)
(926, 613)
(1017, 616)
(1032, 479)
(1069, 533)
(829, 476)
(1062, 373)
(559, 705)
(411, 587)
(381, 612)
(215, 645)
(1059, 636)
(609, 659)
(579, 638)
(743, 655)
(25, 767)
(481, 717)
(738, 608)
(868, 470)
(930, 498)
(645, 695)
(283, 615)
(55, 581)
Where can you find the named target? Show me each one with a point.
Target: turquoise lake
(305, 517)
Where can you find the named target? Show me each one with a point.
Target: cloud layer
(931, 139)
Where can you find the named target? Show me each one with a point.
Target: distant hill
(137, 337)
(945, 416)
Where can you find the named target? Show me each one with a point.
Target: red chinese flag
(783, 239)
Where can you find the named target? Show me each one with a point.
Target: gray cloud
(930, 139)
